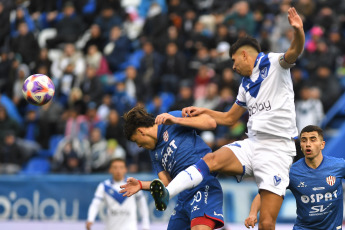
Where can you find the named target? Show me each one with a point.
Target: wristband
(141, 185)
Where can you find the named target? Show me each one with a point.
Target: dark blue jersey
(178, 147)
(318, 193)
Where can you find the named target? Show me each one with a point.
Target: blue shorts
(205, 200)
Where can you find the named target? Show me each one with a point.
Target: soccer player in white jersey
(316, 183)
(266, 92)
(121, 211)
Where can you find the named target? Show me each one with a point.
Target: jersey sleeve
(241, 98)
(343, 168)
(176, 113)
(95, 204)
(157, 167)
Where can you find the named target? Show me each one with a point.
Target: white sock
(187, 179)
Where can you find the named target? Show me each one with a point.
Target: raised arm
(222, 118)
(202, 122)
(297, 43)
(254, 209)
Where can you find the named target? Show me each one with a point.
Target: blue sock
(202, 167)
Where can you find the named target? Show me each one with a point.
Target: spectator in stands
(328, 84)
(185, 96)
(95, 39)
(229, 79)
(43, 62)
(5, 68)
(49, 116)
(31, 120)
(309, 109)
(11, 156)
(222, 59)
(114, 128)
(69, 27)
(122, 101)
(117, 49)
(7, 124)
(70, 156)
(155, 24)
(25, 44)
(104, 109)
(5, 24)
(131, 82)
(91, 86)
(241, 17)
(71, 56)
(202, 58)
(211, 99)
(149, 72)
(98, 158)
(174, 69)
(66, 82)
(203, 77)
(22, 73)
(22, 16)
(95, 59)
(107, 20)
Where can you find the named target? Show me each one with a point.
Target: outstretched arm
(254, 209)
(222, 118)
(297, 43)
(202, 122)
(134, 185)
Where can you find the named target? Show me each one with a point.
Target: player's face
(143, 140)
(312, 145)
(118, 169)
(241, 64)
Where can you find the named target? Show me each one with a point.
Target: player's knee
(267, 225)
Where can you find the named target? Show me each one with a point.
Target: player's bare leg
(270, 206)
(223, 160)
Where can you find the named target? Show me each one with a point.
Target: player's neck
(314, 162)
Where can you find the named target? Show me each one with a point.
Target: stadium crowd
(107, 56)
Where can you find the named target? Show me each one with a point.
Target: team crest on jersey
(264, 73)
(330, 180)
(277, 179)
(166, 136)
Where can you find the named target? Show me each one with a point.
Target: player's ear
(141, 131)
(323, 144)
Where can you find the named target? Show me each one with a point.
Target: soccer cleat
(160, 194)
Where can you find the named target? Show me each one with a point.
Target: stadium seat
(37, 165)
(54, 142)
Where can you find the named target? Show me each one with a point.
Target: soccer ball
(38, 89)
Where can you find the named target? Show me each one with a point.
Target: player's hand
(251, 221)
(165, 118)
(88, 225)
(131, 187)
(192, 111)
(294, 19)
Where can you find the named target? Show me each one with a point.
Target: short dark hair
(246, 41)
(312, 128)
(135, 118)
(116, 159)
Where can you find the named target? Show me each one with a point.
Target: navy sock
(202, 167)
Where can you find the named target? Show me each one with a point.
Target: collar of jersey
(260, 55)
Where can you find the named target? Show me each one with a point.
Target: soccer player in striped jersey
(266, 92)
(121, 211)
(316, 183)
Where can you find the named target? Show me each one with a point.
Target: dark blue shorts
(204, 200)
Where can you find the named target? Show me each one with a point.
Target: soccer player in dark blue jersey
(174, 146)
(316, 183)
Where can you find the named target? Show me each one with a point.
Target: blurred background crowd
(106, 56)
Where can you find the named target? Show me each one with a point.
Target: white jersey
(269, 98)
(121, 211)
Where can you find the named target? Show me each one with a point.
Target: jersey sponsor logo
(206, 193)
(217, 214)
(167, 154)
(319, 210)
(318, 197)
(258, 107)
(318, 188)
(166, 136)
(277, 179)
(331, 180)
(302, 185)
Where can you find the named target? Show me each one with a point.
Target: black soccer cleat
(160, 194)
